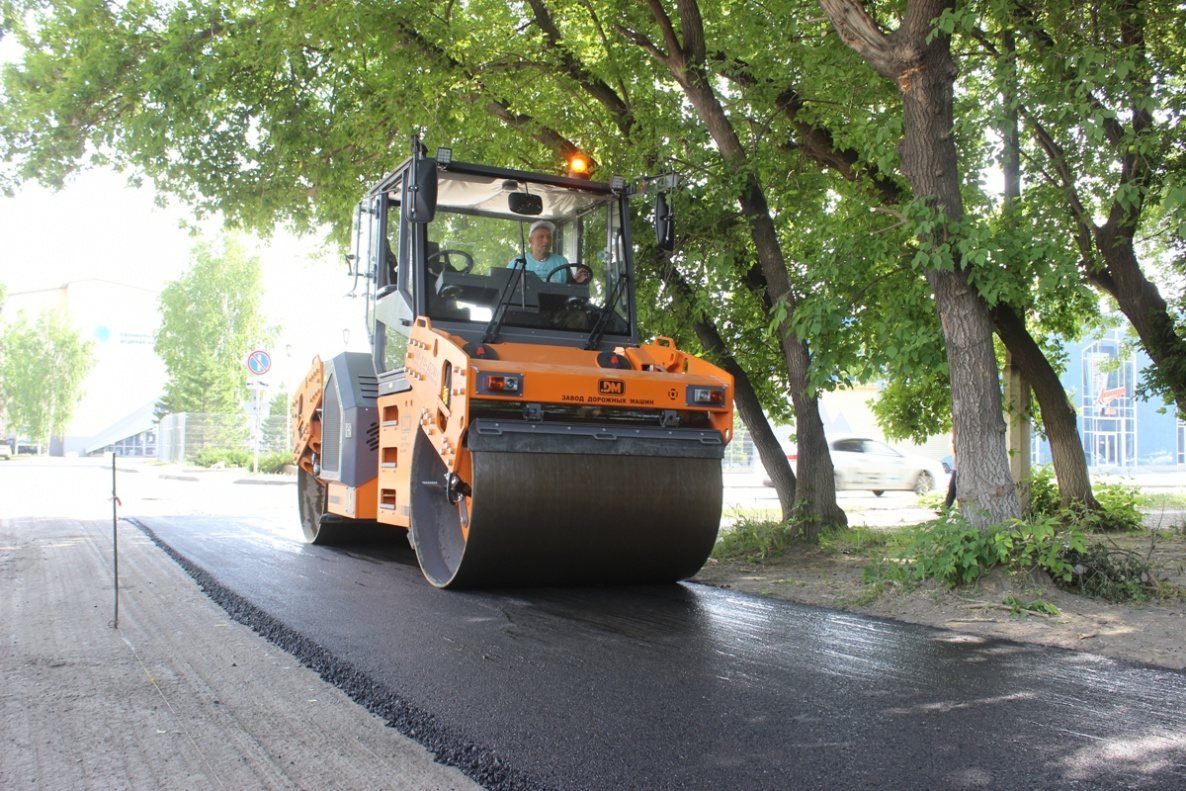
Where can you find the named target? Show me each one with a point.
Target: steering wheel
(439, 254)
(580, 268)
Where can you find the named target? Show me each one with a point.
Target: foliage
(278, 114)
(855, 540)
(280, 405)
(754, 540)
(952, 552)
(42, 370)
(1039, 605)
(1118, 504)
(270, 463)
(229, 457)
(210, 322)
(1114, 574)
(1044, 497)
(273, 463)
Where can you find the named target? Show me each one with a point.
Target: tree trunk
(815, 492)
(919, 60)
(773, 457)
(771, 453)
(1058, 414)
(1144, 306)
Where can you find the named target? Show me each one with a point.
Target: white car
(867, 464)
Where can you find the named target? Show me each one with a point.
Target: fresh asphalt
(684, 686)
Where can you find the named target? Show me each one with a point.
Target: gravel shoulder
(179, 696)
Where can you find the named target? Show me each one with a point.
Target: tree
(210, 323)
(42, 370)
(898, 341)
(917, 57)
(279, 113)
(1100, 101)
(302, 114)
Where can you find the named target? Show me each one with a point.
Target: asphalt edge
(479, 764)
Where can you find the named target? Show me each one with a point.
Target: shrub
(952, 552)
(754, 540)
(1119, 504)
(232, 458)
(1117, 512)
(1044, 497)
(274, 462)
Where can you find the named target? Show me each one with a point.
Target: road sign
(258, 362)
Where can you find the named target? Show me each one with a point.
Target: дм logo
(611, 387)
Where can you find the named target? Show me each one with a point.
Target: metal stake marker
(115, 503)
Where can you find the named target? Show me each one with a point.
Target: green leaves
(42, 368)
(279, 114)
(210, 322)
(952, 552)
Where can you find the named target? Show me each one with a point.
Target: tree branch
(576, 69)
(858, 30)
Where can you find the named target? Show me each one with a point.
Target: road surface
(669, 687)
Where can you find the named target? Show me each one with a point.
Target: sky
(97, 227)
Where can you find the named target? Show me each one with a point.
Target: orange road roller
(508, 416)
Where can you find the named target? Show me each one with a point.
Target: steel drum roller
(557, 518)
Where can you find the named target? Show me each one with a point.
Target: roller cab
(508, 416)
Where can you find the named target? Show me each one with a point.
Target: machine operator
(542, 261)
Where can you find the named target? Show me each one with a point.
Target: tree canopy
(816, 243)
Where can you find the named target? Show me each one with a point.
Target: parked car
(5, 450)
(861, 463)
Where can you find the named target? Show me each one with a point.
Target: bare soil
(1153, 632)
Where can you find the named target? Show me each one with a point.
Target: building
(121, 320)
(1119, 432)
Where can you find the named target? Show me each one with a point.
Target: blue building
(1118, 431)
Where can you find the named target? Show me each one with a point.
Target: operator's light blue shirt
(542, 268)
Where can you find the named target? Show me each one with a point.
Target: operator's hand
(581, 274)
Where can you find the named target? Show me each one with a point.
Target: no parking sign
(259, 362)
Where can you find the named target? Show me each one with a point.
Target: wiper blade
(504, 301)
(599, 328)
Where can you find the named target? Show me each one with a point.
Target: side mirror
(421, 197)
(664, 224)
(525, 203)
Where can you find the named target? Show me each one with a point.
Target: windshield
(505, 253)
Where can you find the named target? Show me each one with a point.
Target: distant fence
(181, 437)
(740, 453)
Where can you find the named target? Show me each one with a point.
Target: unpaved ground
(1153, 632)
(179, 696)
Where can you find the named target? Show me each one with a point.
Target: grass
(858, 540)
(1162, 500)
(756, 539)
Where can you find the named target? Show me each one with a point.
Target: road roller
(508, 416)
